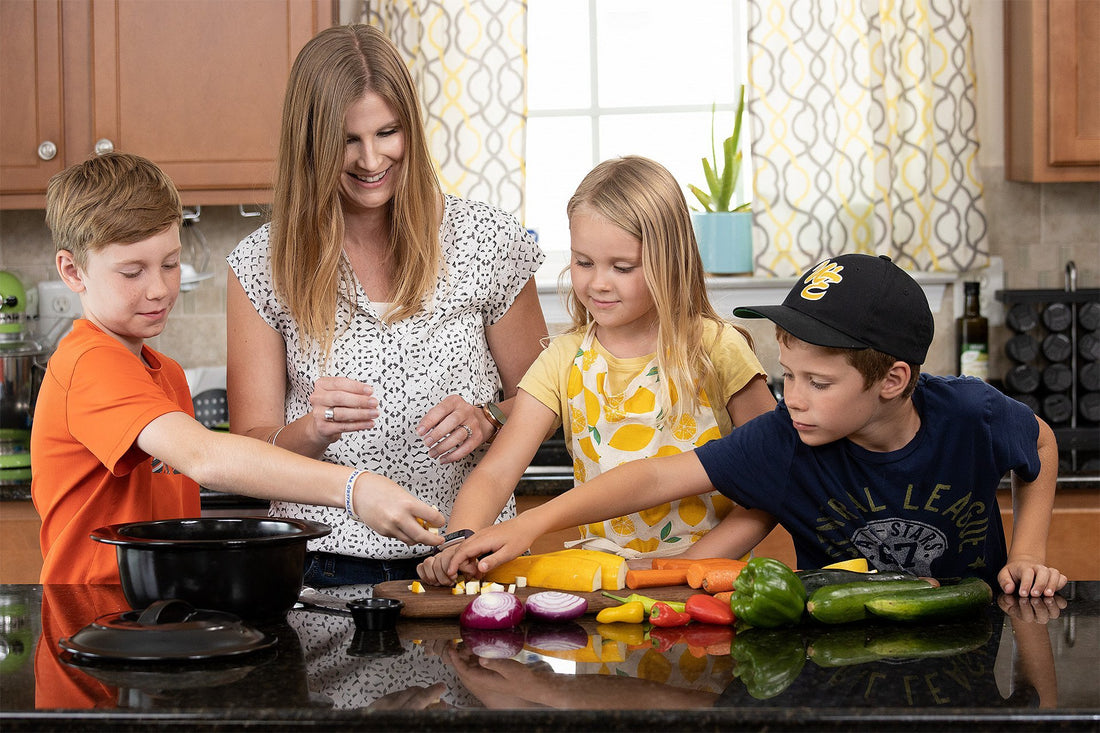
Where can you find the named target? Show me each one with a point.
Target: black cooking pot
(248, 566)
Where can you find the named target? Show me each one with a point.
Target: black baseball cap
(855, 301)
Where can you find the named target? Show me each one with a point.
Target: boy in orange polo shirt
(114, 438)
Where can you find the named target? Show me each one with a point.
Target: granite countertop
(1010, 667)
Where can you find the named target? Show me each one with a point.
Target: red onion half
(555, 606)
(492, 611)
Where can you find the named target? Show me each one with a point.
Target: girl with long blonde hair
(647, 369)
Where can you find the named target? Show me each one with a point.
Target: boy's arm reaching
(239, 465)
(627, 488)
(1032, 505)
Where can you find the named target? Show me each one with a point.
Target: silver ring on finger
(469, 433)
(330, 414)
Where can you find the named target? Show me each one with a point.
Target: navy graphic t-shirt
(929, 508)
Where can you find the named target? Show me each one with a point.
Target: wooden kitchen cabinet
(195, 85)
(1052, 90)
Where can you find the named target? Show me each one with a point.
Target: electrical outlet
(55, 300)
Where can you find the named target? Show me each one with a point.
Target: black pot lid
(166, 630)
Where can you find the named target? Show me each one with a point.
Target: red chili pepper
(707, 609)
(664, 615)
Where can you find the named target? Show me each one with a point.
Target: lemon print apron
(609, 429)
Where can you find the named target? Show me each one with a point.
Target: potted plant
(724, 230)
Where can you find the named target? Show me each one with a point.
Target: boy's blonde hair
(642, 198)
(872, 365)
(115, 198)
(333, 71)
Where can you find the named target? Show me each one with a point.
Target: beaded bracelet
(348, 493)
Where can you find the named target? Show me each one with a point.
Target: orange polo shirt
(86, 469)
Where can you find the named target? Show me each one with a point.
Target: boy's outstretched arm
(1026, 572)
(239, 465)
(627, 488)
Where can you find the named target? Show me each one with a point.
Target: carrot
(675, 563)
(721, 579)
(724, 596)
(653, 578)
(696, 572)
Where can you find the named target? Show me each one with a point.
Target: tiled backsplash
(1034, 228)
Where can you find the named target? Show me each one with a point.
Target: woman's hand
(342, 405)
(453, 429)
(392, 511)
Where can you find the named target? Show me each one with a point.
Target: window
(623, 77)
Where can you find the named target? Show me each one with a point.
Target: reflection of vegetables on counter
(848, 645)
(768, 594)
(767, 661)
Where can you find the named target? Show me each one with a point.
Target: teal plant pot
(725, 242)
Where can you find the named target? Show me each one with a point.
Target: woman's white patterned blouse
(413, 363)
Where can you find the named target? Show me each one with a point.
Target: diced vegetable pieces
(417, 587)
(473, 587)
(521, 581)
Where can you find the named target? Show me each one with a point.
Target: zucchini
(934, 640)
(814, 579)
(841, 604)
(847, 645)
(965, 598)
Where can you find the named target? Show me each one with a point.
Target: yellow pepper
(628, 613)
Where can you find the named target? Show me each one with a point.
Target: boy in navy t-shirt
(864, 457)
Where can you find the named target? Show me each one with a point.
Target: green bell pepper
(768, 594)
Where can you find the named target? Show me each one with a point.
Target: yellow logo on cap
(818, 281)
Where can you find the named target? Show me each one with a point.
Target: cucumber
(965, 598)
(814, 579)
(844, 603)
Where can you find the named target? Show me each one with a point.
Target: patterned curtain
(864, 134)
(469, 60)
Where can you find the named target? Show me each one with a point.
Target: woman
(375, 320)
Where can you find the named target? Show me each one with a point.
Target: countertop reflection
(1030, 662)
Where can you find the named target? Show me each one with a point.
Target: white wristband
(348, 493)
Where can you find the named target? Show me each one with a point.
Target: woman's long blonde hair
(642, 198)
(333, 71)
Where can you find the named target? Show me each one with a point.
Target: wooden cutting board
(438, 602)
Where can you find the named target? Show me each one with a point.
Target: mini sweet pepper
(768, 594)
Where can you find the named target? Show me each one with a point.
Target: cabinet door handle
(103, 145)
(47, 150)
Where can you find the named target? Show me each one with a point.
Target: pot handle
(171, 611)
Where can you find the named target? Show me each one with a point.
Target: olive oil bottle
(972, 336)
